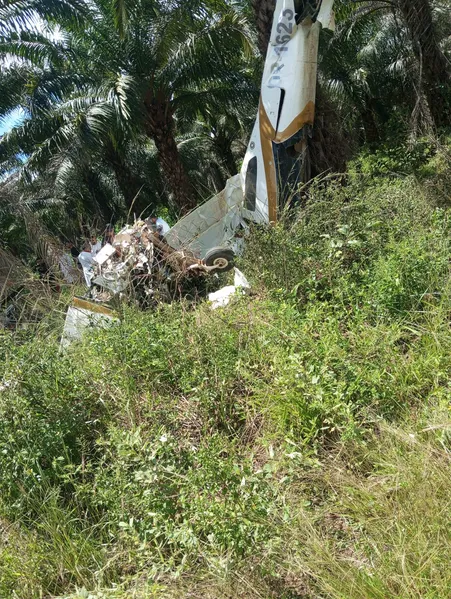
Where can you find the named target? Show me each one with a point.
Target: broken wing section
(215, 223)
(83, 315)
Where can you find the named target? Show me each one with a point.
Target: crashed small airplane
(276, 160)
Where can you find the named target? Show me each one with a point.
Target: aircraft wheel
(223, 259)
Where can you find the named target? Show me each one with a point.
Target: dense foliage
(295, 444)
(145, 106)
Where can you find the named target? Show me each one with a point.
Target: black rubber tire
(222, 258)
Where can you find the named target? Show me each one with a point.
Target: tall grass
(294, 444)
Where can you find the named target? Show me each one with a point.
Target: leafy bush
(190, 441)
(173, 501)
(48, 412)
(393, 159)
(414, 270)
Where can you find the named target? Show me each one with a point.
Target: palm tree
(212, 149)
(263, 14)
(421, 38)
(435, 67)
(28, 211)
(191, 54)
(17, 16)
(349, 76)
(138, 68)
(372, 74)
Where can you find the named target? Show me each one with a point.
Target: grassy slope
(294, 445)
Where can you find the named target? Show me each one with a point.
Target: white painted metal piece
(106, 252)
(83, 315)
(212, 224)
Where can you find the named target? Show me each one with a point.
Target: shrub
(405, 158)
(175, 503)
(190, 441)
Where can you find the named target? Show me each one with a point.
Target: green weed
(255, 451)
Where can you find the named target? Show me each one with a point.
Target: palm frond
(19, 15)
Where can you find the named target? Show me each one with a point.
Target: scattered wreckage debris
(138, 262)
(222, 297)
(82, 315)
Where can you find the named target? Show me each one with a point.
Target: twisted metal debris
(139, 261)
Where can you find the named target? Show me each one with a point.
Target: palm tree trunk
(131, 186)
(48, 249)
(219, 182)
(330, 147)
(223, 144)
(264, 12)
(160, 127)
(369, 123)
(435, 67)
(12, 273)
(97, 200)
